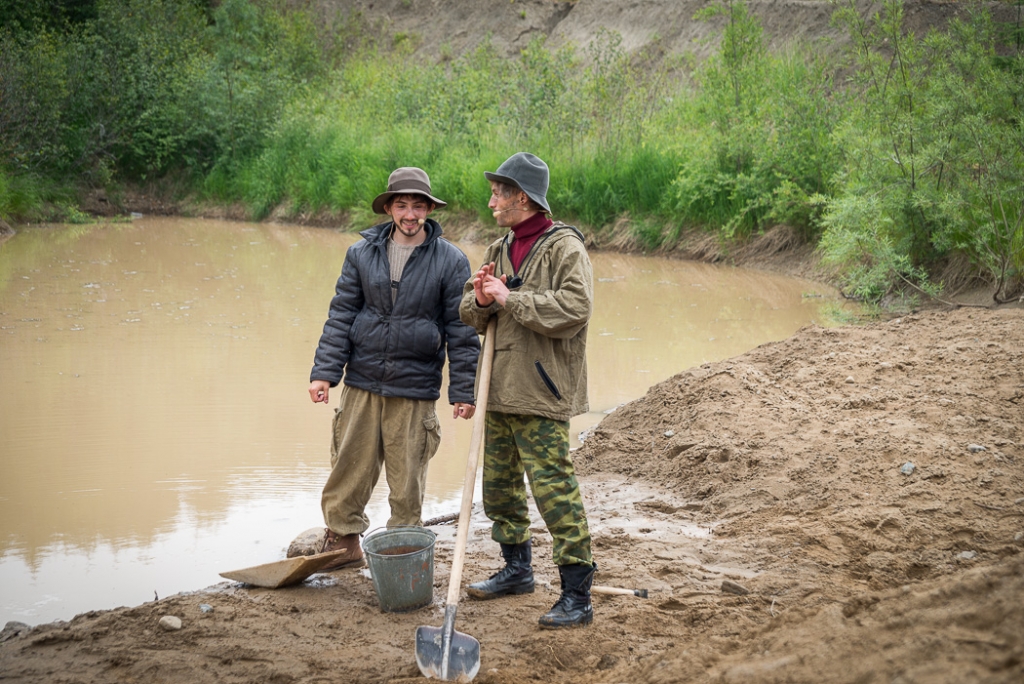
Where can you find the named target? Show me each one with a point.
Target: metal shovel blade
(463, 655)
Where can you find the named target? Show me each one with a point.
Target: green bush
(18, 197)
(934, 155)
(758, 135)
(146, 86)
(33, 91)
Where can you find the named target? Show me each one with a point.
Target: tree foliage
(935, 153)
(912, 159)
(760, 133)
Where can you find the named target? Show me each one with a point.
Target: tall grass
(623, 134)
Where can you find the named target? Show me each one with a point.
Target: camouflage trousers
(539, 448)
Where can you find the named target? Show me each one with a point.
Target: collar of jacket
(379, 233)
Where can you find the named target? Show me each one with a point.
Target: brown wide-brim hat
(407, 180)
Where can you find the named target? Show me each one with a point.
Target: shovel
(441, 652)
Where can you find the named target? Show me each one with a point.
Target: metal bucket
(401, 561)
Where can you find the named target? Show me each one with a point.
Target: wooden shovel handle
(616, 591)
(475, 443)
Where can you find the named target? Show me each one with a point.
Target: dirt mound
(846, 505)
(873, 479)
(820, 424)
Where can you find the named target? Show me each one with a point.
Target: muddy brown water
(400, 550)
(155, 427)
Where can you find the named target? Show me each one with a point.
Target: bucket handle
(402, 527)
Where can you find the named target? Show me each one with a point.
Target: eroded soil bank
(863, 484)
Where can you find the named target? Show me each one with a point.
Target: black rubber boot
(573, 608)
(515, 578)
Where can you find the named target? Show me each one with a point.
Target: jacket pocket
(433, 342)
(547, 380)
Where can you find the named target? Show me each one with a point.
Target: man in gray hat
(393, 320)
(538, 282)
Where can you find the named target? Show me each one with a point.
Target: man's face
(506, 210)
(408, 212)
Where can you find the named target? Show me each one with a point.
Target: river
(155, 427)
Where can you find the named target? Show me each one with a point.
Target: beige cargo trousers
(371, 431)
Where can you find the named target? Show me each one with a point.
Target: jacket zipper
(547, 380)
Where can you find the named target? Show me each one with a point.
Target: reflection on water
(154, 423)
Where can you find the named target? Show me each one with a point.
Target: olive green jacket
(540, 359)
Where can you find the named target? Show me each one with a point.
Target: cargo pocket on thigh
(336, 437)
(432, 430)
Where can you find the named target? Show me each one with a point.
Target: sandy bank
(864, 485)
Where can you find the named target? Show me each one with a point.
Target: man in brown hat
(393, 320)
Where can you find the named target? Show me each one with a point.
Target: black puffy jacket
(398, 350)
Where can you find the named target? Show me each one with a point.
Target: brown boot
(337, 542)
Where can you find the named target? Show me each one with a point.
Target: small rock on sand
(170, 623)
(308, 543)
(731, 587)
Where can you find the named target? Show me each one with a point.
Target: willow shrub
(980, 106)
(34, 89)
(19, 196)
(935, 156)
(756, 135)
(334, 150)
(139, 88)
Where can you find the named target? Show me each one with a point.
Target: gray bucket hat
(528, 173)
(407, 180)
